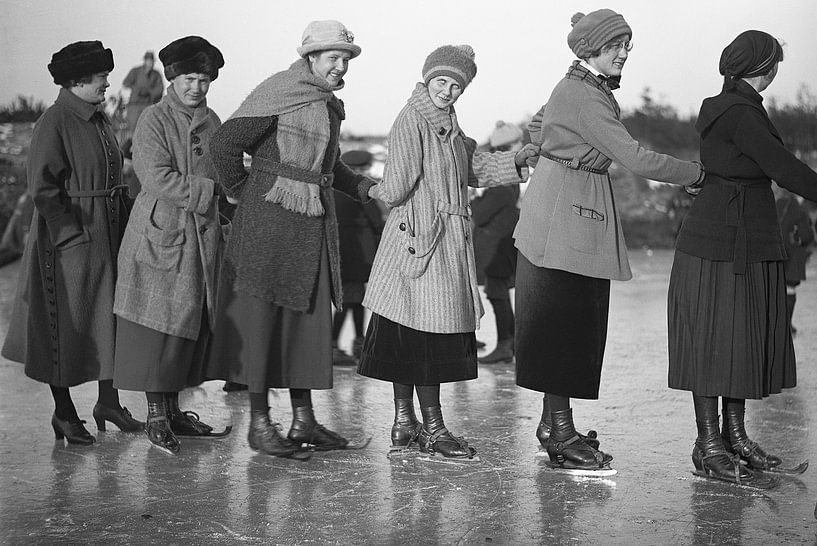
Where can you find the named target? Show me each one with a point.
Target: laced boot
(72, 429)
(266, 437)
(305, 430)
(711, 458)
(406, 427)
(435, 438)
(736, 441)
(567, 449)
(543, 430)
(158, 429)
(502, 353)
(184, 423)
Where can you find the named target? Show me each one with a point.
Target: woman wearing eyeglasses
(569, 235)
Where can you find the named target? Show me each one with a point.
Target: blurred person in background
(170, 256)
(494, 215)
(729, 333)
(359, 229)
(798, 236)
(62, 326)
(146, 87)
(423, 290)
(569, 235)
(281, 270)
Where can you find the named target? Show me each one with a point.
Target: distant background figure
(798, 235)
(359, 229)
(146, 88)
(494, 215)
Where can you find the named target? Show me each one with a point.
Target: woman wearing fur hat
(281, 268)
(423, 289)
(728, 327)
(62, 327)
(168, 265)
(569, 235)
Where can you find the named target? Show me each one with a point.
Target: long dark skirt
(151, 361)
(561, 330)
(397, 353)
(729, 334)
(263, 345)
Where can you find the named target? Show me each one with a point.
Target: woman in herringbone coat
(423, 289)
(165, 294)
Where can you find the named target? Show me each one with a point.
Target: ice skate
(187, 424)
(737, 442)
(437, 442)
(158, 429)
(543, 430)
(570, 454)
(406, 428)
(309, 434)
(266, 437)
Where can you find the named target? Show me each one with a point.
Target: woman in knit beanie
(729, 335)
(422, 289)
(569, 235)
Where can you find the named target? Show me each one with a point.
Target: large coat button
(197, 151)
(411, 250)
(402, 226)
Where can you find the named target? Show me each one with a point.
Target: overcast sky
(521, 48)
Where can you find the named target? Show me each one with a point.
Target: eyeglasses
(617, 46)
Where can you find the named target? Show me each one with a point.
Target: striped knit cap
(456, 62)
(590, 32)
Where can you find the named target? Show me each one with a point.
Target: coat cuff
(509, 173)
(202, 191)
(363, 189)
(63, 228)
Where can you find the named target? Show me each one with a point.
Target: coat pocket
(161, 248)
(417, 249)
(586, 226)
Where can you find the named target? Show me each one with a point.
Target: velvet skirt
(729, 334)
(397, 353)
(561, 330)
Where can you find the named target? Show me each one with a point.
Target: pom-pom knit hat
(79, 60)
(453, 61)
(590, 32)
(324, 35)
(191, 55)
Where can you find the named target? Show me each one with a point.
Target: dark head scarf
(753, 53)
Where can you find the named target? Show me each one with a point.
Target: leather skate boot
(184, 423)
(266, 437)
(567, 449)
(305, 430)
(736, 441)
(543, 430)
(711, 458)
(158, 429)
(406, 427)
(502, 353)
(435, 438)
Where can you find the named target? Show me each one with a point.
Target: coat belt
(108, 192)
(454, 210)
(292, 172)
(571, 163)
(734, 217)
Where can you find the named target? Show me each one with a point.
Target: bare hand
(528, 153)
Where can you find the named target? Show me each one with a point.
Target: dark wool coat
(172, 246)
(495, 215)
(273, 253)
(359, 227)
(62, 326)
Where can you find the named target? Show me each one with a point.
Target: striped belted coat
(424, 275)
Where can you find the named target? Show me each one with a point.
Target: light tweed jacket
(423, 275)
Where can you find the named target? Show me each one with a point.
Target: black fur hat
(191, 55)
(79, 60)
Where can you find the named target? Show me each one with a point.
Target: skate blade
(602, 472)
(761, 481)
(396, 452)
(351, 446)
(165, 450)
(210, 435)
(799, 469)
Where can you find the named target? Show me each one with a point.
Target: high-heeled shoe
(72, 430)
(121, 417)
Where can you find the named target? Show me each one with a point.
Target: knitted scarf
(299, 99)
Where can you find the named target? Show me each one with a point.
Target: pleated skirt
(729, 334)
(394, 352)
(561, 330)
(147, 360)
(264, 345)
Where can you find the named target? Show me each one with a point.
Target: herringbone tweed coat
(424, 275)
